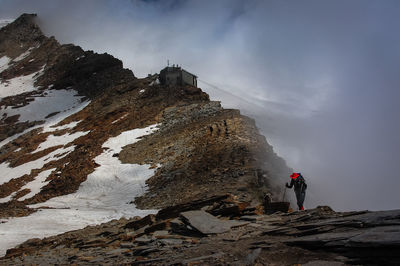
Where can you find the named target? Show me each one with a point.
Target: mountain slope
(81, 135)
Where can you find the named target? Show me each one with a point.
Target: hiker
(300, 187)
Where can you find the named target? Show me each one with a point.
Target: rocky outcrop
(204, 150)
(224, 231)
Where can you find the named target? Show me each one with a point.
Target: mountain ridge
(98, 166)
(62, 104)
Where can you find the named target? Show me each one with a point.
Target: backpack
(300, 183)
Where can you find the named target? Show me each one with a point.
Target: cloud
(320, 78)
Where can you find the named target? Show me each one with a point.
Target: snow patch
(125, 138)
(24, 55)
(53, 140)
(79, 57)
(104, 196)
(75, 108)
(4, 63)
(66, 126)
(155, 82)
(36, 185)
(8, 173)
(8, 198)
(53, 101)
(19, 84)
(119, 119)
(49, 124)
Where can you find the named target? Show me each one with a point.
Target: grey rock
(126, 244)
(169, 241)
(271, 219)
(213, 256)
(364, 219)
(314, 231)
(321, 239)
(207, 223)
(251, 258)
(251, 218)
(116, 252)
(379, 218)
(235, 223)
(143, 240)
(160, 234)
(323, 263)
(143, 251)
(280, 231)
(377, 237)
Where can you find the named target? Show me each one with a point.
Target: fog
(321, 78)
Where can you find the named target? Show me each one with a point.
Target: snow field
(113, 184)
(104, 196)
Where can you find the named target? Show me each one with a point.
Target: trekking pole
(284, 193)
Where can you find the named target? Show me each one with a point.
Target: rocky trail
(224, 231)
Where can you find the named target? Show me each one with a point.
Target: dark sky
(321, 78)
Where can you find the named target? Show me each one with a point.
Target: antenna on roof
(167, 62)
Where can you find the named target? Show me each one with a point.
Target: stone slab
(207, 223)
(321, 239)
(384, 236)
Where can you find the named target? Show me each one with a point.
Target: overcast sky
(321, 78)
